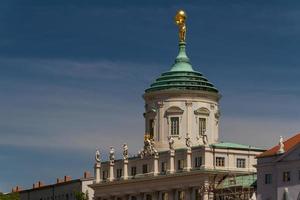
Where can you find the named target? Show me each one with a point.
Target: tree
(81, 195)
(10, 196)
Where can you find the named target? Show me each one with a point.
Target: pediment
(202, 111)
(174, 110)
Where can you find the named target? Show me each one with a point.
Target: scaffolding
(229, 186)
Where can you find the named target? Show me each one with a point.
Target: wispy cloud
(261, 132)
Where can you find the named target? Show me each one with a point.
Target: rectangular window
(240, 163)
(133, 171)
(181, 195)
(202, 126)
(119, 173)
(174, 125)
(197, 195)
(220, 161)
(151, 128)
(163, 167)
(180, 164)
(268, 178)
(104, 175)
(164, 196)
(198, 162)
(145, 168)
(286, 176)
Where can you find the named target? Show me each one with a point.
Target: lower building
(63, 189)
(188, 173)
(278, 171)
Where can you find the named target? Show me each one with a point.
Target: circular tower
(182, 103)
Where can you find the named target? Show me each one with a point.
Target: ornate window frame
(202, 113)
(174, 111)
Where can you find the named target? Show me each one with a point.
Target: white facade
(190, 107)
(279, 175)
(144, 183)
(65, 190)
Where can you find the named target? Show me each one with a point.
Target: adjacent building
(278, 171)
(182, 157)
(63, 189)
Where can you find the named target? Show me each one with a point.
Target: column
(171, 195)
(172, 161)
(97, 174)
(206, 190)
(188, 194)
(125, 169)
(111, 171)
(156, 171)
(140, 196)
(188, 159)
(160, 121)
(155, 195)
(188, 105)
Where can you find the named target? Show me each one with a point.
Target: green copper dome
(182, 76)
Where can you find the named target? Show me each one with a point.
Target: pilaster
(172, 161)
(97, 174)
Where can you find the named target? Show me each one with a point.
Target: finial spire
(180, 18)
(182, 62)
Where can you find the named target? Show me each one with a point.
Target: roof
(230, 145)
(79, 180)
(288, 144)
(245, 181)
(182, 76)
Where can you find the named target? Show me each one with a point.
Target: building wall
(190, 107)
(276, 165)
(60, 191)
(207, 154)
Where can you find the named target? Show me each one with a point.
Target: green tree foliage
(81, 195)
(10, 196)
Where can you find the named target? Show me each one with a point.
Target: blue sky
(72, 75)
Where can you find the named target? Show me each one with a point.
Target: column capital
(189, 103)
(160, 104)
(172, 152)
(97, 165)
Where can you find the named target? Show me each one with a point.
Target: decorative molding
(189, 103)
(160, 104)
(202, 111)
(174, 110)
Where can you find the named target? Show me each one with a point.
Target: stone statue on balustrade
(188, 142)
(125, 151)
(112, 155)
(97, 156)
(171, 143)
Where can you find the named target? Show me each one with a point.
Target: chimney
(87, 174)
(58, 180)
(67, 178)
(40, 184)
(16, 189)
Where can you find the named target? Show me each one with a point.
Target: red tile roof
(288, 144)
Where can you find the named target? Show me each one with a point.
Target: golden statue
(180, 21)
